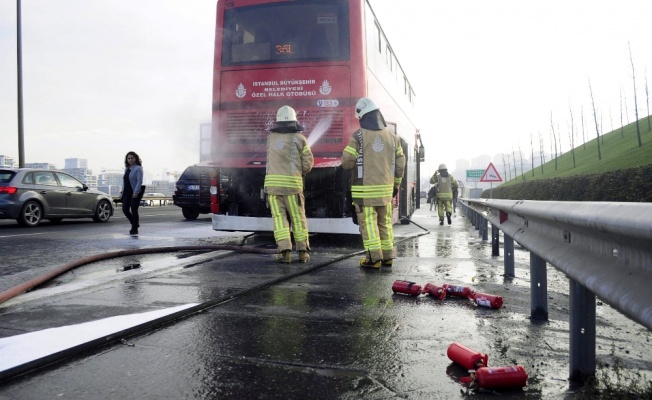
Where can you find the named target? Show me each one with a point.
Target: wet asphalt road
(334, 332)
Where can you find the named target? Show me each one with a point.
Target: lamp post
(420, 156)
(21, 144)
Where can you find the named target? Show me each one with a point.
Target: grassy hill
(619, 150)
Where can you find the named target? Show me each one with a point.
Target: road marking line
(26, 234)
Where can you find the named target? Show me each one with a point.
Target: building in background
(78, 167)
(40, 165)
(72, 163)
(7, 162)
(110, 181)
(165, 187)
(204, 142)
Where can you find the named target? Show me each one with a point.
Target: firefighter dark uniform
(377, 161)
(289, 159)
(446, 185)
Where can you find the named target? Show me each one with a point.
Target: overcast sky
(102, 77)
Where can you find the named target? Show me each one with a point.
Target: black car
(30, 195)
(193, 191)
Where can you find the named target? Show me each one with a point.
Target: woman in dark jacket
(132, 190)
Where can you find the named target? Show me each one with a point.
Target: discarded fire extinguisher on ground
(406, 287)
(467, 358)
(433, 290)
(458, 291)
(497, 377)
(486, 300)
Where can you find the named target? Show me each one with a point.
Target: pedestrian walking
(375, 156)
(132, 190)
(446, 185)
(289, 159)
(431, 197)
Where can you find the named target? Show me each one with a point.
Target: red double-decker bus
(319, 57)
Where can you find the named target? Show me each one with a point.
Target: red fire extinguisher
(458, 291)
(498, 377)
(406, 287)
(487, 300)
(435, 291)
(467, 358)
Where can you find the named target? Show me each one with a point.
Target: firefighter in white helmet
(375, 156)
(289, 159)
(446, 184)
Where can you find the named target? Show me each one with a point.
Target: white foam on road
(20, 349)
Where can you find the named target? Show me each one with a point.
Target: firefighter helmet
(364, 106)
(286, 114)
(442, 167)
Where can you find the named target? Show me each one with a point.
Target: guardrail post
(483, 228)
(538, 288)
(582, 331)
(495, 240)
(509, 255)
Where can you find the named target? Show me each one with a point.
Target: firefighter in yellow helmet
(376, 157)
(446, 184)
(289, 159)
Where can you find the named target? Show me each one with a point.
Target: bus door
(405, 197)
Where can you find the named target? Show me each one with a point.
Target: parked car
(193, 191)
(30, 195)
(149, 199)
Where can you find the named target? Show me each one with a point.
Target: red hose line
(32, 283)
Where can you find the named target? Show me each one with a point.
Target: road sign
(491, 174)
(474, 175)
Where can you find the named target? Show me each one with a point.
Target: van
(193, 191)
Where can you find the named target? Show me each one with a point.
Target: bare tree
(561, 153)
(595, 118)
(647, 100)
(520, 154)
(554, 139)
(583, 130)
(514, 158)
(572, 135)
(532, 153)
(622, 125)
(509, 167)
(542, 155)
(638, 128)
(601, 127)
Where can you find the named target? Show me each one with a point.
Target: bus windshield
(286, 32)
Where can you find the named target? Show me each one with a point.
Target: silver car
(30, 195)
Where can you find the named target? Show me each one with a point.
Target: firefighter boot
(284, 257)
(367, 263)
(387, 263)
(441, 221)
(304, 257)
(448, 216)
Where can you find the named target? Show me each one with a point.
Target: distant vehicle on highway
(193, 191)
(30, 195)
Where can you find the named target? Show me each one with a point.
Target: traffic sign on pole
(473, 175)
(491, 174)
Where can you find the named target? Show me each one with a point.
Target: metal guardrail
(149, 200)
(604, 248)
